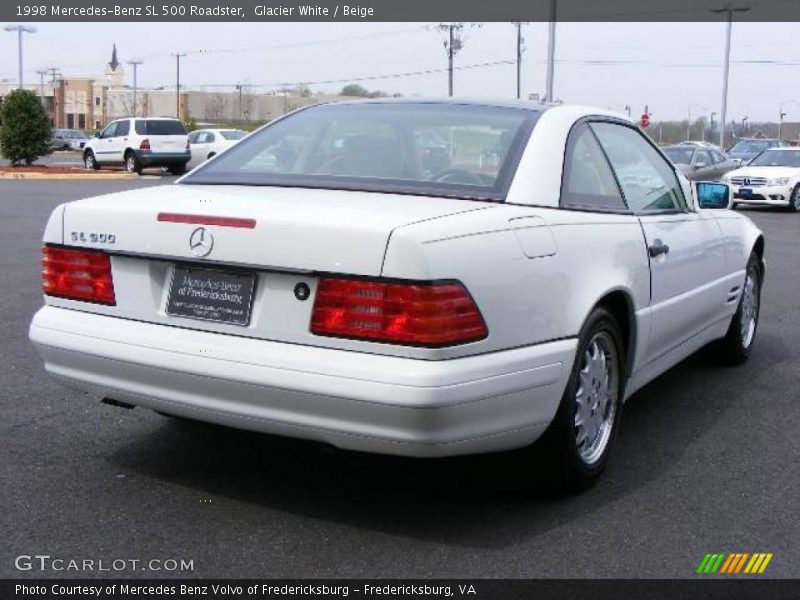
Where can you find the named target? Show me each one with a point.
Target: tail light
(416, 314)
(145, 145)
(78, 274)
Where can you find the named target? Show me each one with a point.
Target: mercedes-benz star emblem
(201, 242)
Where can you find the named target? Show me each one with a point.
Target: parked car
(205, 143)
(139, 143)
(68, 139)
(703, 144)
(747, 149)
(699, 163)
(346, 295)
(771, 179)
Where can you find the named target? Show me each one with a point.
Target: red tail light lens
(78, 274)
(145, 145)
(419, 314)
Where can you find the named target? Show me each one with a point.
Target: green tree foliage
(353, 89)
(25, 131)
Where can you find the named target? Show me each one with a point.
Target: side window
(109, 131)
(140, 126)
(123, 127)
(193, 137)
(717, 157)
(209, 137)
(648, 182)
(702, 158)
(588, 182)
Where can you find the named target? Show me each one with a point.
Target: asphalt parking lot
(708, 460)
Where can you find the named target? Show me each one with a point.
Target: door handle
(657, 247)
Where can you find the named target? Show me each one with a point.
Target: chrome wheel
(88, 161)
(130, 164)
(596, 397)
(749, 309)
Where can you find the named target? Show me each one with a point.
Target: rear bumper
(352, 400)
(149, 158)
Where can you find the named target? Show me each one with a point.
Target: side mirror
(713, 195)
(97, 135)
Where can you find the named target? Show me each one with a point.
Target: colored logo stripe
(734, 563)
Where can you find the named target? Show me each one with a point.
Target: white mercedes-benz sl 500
(422, 278)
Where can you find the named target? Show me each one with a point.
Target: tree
(353, 89)
(25, 130)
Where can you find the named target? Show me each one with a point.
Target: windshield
(462, 151)
(777, 158)
(751, 146)
(233, 134)
(160, 127)
(680, 156)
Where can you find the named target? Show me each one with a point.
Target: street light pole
(518, 25)
(134, 64)
(728, 9)
(20, 29)
(551, 52)
(41, 75)
(178, 83)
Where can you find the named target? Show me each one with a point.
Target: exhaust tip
(117, 403)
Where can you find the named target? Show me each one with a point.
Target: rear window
(680, 156)
(160, 127)
(452, 150)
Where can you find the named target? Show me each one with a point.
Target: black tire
(559, 448)
(734, 205)
(177, 169)
(735, 347)
(211, 155)
(794, 199)
(89, 161)
(132, 164)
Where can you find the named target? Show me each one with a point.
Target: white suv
(139, 143)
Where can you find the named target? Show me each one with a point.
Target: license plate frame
(746, 191)
(196, 301)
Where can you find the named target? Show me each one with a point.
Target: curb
(74, 176)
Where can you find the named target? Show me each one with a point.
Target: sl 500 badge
(94, 237)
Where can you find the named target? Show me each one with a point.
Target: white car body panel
(535, 272)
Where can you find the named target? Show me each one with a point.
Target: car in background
(139, 143)
(699, 163)
(68, 139)
(205, 143)
(771, 179)
(703, 144)
(350, 296)
(746, 149)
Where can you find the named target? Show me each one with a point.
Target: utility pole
(728, 10)
(178, 83)
(551, 52)
(134, 64)
(20, 29)
(518, 25)
(453, 43)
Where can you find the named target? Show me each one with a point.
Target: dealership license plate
(210, 295)
(745, 191)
